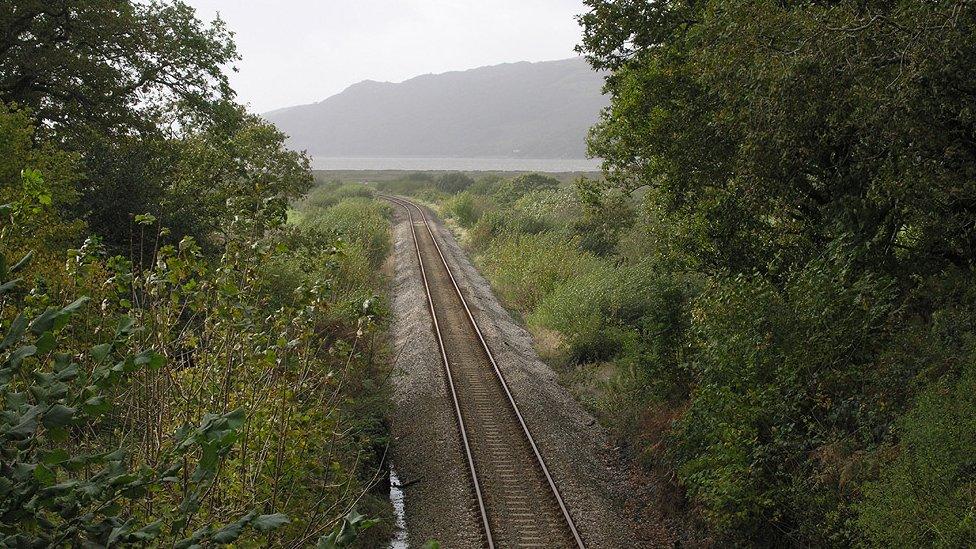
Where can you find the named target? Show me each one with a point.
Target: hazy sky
(302, 51)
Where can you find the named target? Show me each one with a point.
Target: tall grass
(359, 222)
(525, 268)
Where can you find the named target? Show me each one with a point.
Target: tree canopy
(784, 127)
(111, 66)
(812, 163)
(139, 91)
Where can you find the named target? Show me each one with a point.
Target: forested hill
(528, 110)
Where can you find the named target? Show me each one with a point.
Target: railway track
(516, 498)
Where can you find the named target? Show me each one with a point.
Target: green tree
(25, 155)
(782, 127)
(138, 91)
(227, 351)
(242, 160)
(605, 214)
(814, 161)
(110, 66)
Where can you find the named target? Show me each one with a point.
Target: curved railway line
(517, 500)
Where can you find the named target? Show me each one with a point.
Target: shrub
(67, 478)
(466, 208)
(602, 215)
(430, 195)
(638, 314)
(778, 379)
(453, 183)
(364, 223)
(505, 221)
(330, 194)
(532, 182)
(511, 190)
(577, 309)
(926, 493)
(353, 190)
(527, 267)
(486, 185)
(555, 208)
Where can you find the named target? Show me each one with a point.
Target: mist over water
(459, 164)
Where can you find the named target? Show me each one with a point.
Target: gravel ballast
(426, 448)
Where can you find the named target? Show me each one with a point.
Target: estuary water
(414, 163)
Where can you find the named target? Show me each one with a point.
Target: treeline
(180, 366)
(809, 168)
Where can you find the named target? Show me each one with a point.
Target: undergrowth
(829, 401)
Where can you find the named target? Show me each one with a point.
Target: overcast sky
(302, 51)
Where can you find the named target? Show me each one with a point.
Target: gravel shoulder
(426, 448)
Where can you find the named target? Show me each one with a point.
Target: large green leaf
(54, 318)
(17, 329)
(20, 354)
(263, 523)
(45, 343)
(100, 352)
(58, 415)
(25, 423)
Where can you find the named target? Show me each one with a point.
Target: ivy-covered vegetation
(179, 366)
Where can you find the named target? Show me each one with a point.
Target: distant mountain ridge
(512, 110)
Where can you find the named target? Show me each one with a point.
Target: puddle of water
(399, 540)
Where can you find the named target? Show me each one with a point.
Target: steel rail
(450, 380)
(501, 377)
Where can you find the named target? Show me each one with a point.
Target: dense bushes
(210, 399)
(924, 495)
(779, 374)
(466, 208)
(200, 388)
(808, 165)
(452, 183)
(633, 314)
(361, 223)
(178, 366)
(527, 267)
(332, 192)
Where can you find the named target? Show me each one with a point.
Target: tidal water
(551, 165)
(400, 539)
